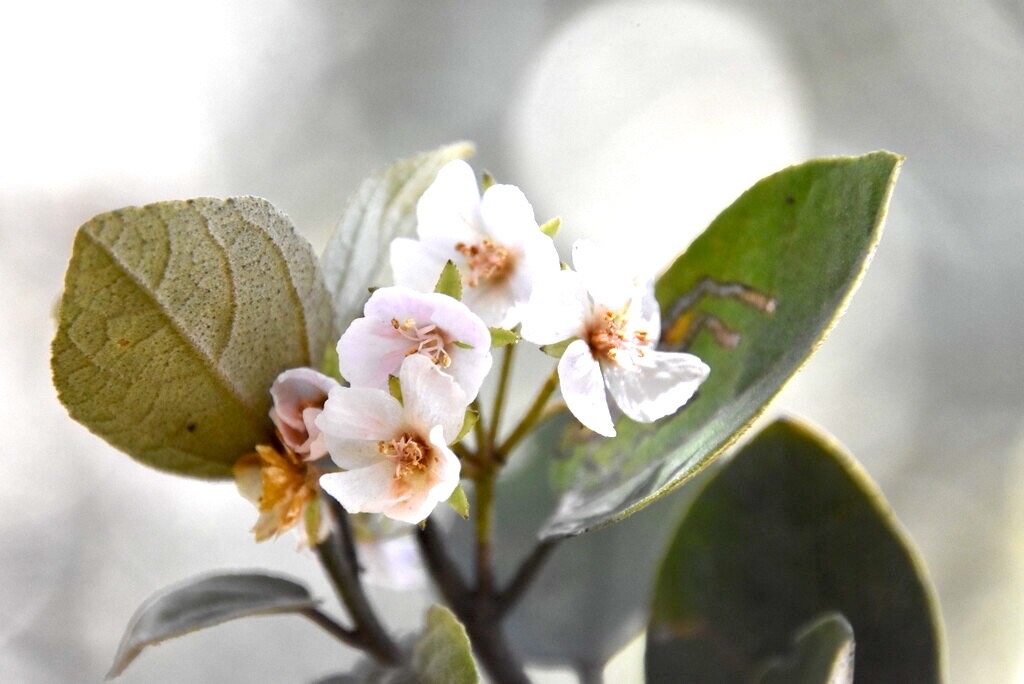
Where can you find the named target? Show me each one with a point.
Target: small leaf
(500, 337)
(442, 654)
(395, 387)
(203, 602)
(550, 228)
(823, 653)
(789, 529)
(450, 281)
(383, 208)
(558, 348)
(468, 423)
(802, 236)
(459, 502)
(176, 319)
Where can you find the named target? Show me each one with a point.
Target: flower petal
(369, 351)
(417, 264)
(557, 310)
(352, 453)
(363, 490)
(583, 389)
(435, 486)
(294, 392)
(495, 304)
(360, 413)
(431, 398)
(657, 385)
(449, 210)
(507, 215)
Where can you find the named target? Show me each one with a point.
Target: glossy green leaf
(442, 654)
(204, 602)
(383, 208)
(175, 320)
(823, 653)
(802, 236)
(450, 281)
(791, 528)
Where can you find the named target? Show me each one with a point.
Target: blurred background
(636, 122)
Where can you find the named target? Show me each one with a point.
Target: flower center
(610, 337)
(487, 261)
(408, 453)
(427, 340)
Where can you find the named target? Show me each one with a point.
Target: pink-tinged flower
(399, 322)
(299, 395)
(494, 240)
(395, 454)
(282, 486)
(617, 323)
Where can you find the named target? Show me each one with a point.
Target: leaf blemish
(191, 427)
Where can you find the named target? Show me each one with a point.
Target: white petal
(603, 277)
(458, 322)
(583, 389)
(360, 413)
(369, 351)
(449, 210)
(494, 304)
(507, 215)
(556, 310)
(417, 264)
(536, 261)
(659, 384)
(352, 453)
(363, 490)
(469, 368)
(431, 398)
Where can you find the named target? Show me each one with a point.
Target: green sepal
(459, 502)
(463, 345)
(450, 282)
(501, 337)
(550, 227)
(395, 387)
(468, 423)
(558, 348)
(486, 181)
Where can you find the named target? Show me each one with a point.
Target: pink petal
(371, 350)
(437, 485)
(583, 388)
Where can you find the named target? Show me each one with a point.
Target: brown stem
(333, 627)
(506, 599)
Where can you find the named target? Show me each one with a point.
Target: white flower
(299, 395)
(395, 454)
(400, 322)
(495, 241)
(617, 323)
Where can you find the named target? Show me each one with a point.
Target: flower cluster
(416, 360)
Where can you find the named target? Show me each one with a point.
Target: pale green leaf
(790, 528)
(802, 236)
(442, 654)
(175, 320)
(459, 502)
(450, 281)
(204, 602)
(383, 208)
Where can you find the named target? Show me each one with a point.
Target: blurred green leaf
(500, 337)
(203, 602)
(175, 320)
(822, 654)
(803, 236)
(450, 281)
(383, 208)
(789, 529)
(442, 654)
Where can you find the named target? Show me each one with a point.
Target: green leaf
(450, 281)
(802, 236)
(550, 228)
(500, 337)
(789, 529)
(383, 208)
(442, 654)
(459, 502)
(175, 320)
(558, 348)
(203, 602)
(822, 654)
